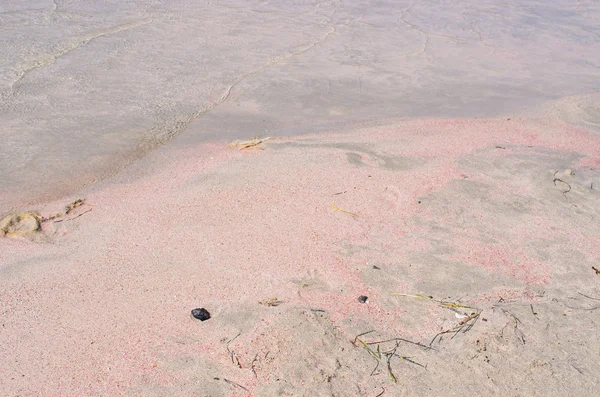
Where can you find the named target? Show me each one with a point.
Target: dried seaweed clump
(250, 143)
(22, 224)
(77, 203)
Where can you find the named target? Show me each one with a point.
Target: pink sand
(102, 307)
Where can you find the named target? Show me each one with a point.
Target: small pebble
(363, 299)
(201, 314)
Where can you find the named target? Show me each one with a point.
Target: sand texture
(369, 198)
(474, 241)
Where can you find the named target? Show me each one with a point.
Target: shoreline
(467, 212)
(571, 110)
(234, 71)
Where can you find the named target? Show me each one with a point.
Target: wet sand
(87, 88)
(455, 185)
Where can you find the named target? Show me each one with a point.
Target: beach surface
(87, 88)
(474, 242)
(381, 239)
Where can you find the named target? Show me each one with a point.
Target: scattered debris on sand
(468, 320)
(28, 224)
(68, 209)
(387, 355)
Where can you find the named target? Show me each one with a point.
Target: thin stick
(589, 297)
(439, 334)
(389, 363)
(375, 369)
(378, 355)
(464, 326)
(447, 305)
(560, 180)
(476, 318)
(403, 340)
(232, 353)
(533, 311)
(235, 384)
(457, 331)
(410, 361)
(344, 211)
(509, 313)
(359, 335)
(252, 365)
(75, 217)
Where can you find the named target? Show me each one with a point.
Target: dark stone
(363, 299)
(201, 314)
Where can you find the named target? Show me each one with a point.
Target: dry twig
(463, 326)
(387, 355)
(560, 180)
(234, 358)
(344, 211)
(232, 383)
(589, 297)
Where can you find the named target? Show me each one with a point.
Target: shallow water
(87, 88)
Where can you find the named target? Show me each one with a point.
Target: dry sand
(498, 217)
